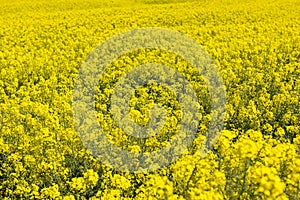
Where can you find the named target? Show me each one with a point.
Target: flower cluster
(256, 47)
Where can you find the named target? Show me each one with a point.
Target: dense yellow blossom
(254, 44)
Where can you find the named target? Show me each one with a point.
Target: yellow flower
(91, 177)
(78, 184)
(51, 192)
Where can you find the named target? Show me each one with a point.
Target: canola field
(255, 46)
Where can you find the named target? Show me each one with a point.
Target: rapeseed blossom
(256, 47)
